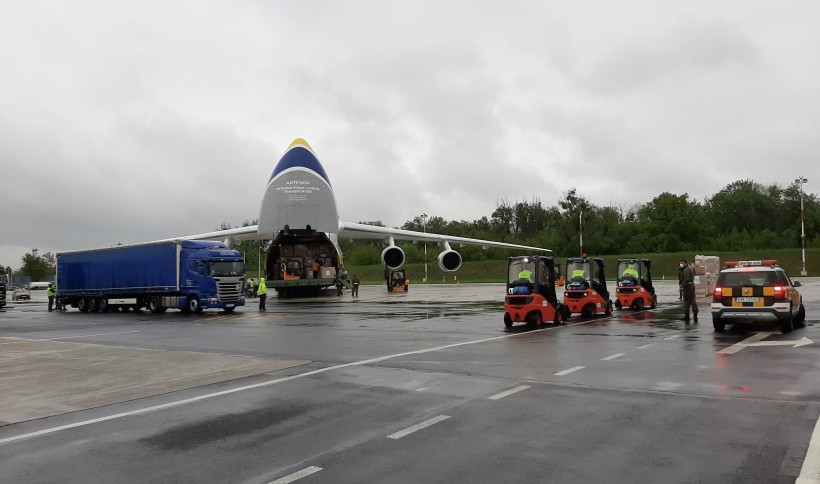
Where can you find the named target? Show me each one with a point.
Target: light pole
(424, 229)
(801, 181)
(581, 231)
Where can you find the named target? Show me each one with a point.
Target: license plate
(747, 299)
(231, 305)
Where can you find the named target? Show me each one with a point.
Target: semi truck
(185, 274)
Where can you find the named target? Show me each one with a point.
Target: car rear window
(757, 278)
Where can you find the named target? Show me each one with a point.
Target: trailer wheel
(193, 305)
(82, 304)
(102, 303)
(92, 305)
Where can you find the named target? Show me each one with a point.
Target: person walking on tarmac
(688, 283)
(355, 291)
(262, 292)
(50, 292)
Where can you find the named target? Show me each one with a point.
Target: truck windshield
(578, 271)
(227, 268)
(521, 269)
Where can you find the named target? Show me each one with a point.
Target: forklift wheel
(638, 304)
(618, 304)
(588, 311)
(507, 320)
(654, 302)
(389, 288)
(565, 312)
(534, 319)
(556, 320)
(406, 288)
(608, 308)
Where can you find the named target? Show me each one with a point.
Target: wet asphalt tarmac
(429, 386)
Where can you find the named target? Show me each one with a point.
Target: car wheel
(718, 324)
(800, 320)
(787, 323)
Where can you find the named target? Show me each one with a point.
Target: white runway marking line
(276, 381)
(508, 392)
(643, 347)
(672, 337)
(612, 357)
(810, 472)
(87, 335)
(569, 370)
(297, 475)
(751, 339)
(417, 427)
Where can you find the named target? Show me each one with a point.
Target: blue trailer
(187, 275)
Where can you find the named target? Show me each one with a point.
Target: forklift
(585, 291)
(635, 289)
(531, 294)
(396, 279)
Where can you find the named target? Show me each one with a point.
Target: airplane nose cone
(300, 155)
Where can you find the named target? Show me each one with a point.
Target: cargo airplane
(299, 215)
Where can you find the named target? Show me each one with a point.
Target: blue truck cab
(186, 275)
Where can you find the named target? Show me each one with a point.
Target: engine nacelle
(393, 257)
(449, 261)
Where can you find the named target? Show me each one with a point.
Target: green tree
(37, 266)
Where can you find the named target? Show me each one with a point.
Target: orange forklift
(531, 294)
(396, 280)
(635, 289)
(585, 291)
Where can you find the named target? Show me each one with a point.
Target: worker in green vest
(51, 293)
(262, 291)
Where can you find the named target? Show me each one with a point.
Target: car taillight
(779, 292)
(718, 293)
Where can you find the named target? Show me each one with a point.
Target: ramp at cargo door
(40, 378)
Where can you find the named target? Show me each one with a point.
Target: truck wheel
(618, 304)
(154, 305)
(92, 305)
(507, 320)
(193, 305)
(82, 304)
(102, 303)
(718, 324)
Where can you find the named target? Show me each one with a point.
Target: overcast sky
(133, 121)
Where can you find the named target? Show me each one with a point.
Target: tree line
(744, 215)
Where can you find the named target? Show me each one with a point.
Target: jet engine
(393, 257)
(449, 260)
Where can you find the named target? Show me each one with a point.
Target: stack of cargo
(707, 268)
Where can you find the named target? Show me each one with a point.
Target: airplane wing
(237, 234)
(348, 230)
